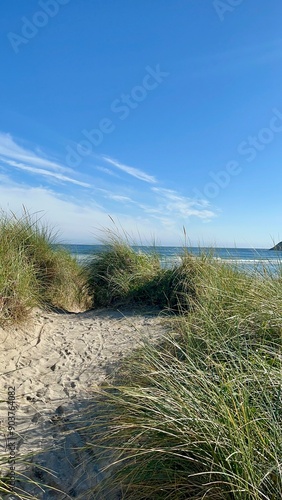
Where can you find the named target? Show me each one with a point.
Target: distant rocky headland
(277, 247)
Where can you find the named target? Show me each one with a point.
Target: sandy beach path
(53, 362)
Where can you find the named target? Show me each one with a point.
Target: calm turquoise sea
(246, 258)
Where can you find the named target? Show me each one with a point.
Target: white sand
(54, 362)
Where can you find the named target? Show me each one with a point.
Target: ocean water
(249, 259)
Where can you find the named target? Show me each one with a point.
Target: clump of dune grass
(32, 272)
(119, 274)
(200, 416)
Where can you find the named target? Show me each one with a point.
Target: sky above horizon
(148, 116)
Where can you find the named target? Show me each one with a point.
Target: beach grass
(119, 275)
(200, 415)
(33, 272)
(197, 416)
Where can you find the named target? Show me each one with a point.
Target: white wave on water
(249, 261)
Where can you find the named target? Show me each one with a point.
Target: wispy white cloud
(113, 196)
(123, 199)
(165, 205)
(134, 172)
(46, 173)
(156, 210)
(10, 149)
(172, 202)
(106, 170)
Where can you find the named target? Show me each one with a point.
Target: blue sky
(157, 114)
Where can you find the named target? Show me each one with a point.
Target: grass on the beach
(119, 275)
(200, 416)
(34, 273)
